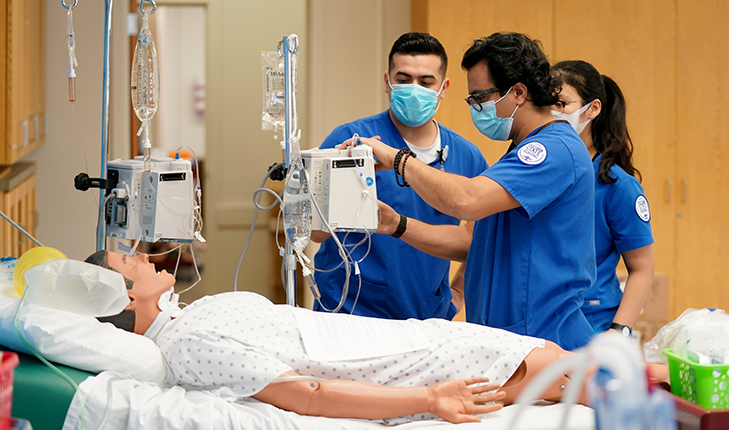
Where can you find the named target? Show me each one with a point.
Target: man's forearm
(464, 198)
(450, 242)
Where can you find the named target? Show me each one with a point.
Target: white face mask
(574, 118)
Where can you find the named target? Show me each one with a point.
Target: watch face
(626, 331)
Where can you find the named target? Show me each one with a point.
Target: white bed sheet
(113, 401)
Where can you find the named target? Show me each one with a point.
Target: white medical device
(151, 206)
(342, 182)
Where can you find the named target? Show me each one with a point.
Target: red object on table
(7, 366)
(690, 416)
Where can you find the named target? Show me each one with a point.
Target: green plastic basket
(706, 385)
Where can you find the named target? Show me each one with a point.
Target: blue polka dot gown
(242, 341)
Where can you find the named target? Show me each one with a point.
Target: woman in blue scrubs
(595, 107)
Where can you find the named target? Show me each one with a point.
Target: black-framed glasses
(562, 104)
(475, 99)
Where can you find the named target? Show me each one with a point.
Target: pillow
(80, 341)
(77, 287)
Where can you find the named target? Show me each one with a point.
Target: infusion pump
(342, 182)
(151, 206)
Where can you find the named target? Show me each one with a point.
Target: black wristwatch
(622, 329)
(400, 227)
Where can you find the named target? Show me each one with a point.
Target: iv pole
(100, 242)
(290, 45)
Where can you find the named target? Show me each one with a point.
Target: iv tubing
(100, 242)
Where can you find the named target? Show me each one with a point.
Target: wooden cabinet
(18, 202)
(700, 196)
(22, 87)
(670, 61)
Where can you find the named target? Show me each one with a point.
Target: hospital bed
(131, 393)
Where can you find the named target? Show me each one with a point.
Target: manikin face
(148, 283)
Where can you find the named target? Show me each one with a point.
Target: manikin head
(144, 285)
(415, 81)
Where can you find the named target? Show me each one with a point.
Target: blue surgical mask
(413, 104)
(489, 124)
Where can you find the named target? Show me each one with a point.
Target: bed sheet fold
(111, 400)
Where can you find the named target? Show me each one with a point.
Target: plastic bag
(77, 287)
(701, 335)
(274, 105)
(7, 266)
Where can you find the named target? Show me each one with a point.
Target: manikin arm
(454, 401)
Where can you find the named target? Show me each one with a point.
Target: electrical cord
(257, 202)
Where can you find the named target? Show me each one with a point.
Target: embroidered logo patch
(641, 208)
(533, 153)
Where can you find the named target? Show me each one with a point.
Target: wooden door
(702, 243)
(634, 43)
(456, 24)
(35, 70)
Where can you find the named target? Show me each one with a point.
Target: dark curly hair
(609, 129)
(415, 43)
(512, 58)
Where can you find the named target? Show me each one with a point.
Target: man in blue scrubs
(533, 250)
(397, 280)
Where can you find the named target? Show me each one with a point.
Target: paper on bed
(336, 337)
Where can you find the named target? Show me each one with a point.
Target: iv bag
(297, 206)
(145, 75)
(273, 114)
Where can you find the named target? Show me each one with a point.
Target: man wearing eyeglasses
(532, 252)
(396, 280)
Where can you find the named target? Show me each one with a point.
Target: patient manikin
(242, 342)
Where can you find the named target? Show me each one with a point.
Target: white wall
(343, 55)
(349, 44)
(179, 34)
(67, 217)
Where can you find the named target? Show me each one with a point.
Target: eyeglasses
(475, 99)
(560, 105)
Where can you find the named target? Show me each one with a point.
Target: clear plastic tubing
(71, 42)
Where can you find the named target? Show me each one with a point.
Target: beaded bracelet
(402, 173)
(396, 164)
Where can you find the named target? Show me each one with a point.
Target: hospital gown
(241, 341)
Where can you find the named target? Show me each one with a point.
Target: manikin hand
(457, 402)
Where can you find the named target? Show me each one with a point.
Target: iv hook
(71, 7)
(292, 48)
(141, 7)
